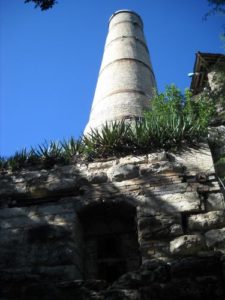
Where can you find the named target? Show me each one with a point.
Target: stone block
(63, 272)
(101, 165)
(215, 201)
(47, 233)
(195, 267)
(162, 167)
(155, 157)
(32, 176)
(159, 226)
(52, 209)
(196, 160)
(17, 222)
(98, 177)
(52, 185)
(215, 238)
(139, 159)
(7, 213)
(206, 221)
(217, 137)
(187, 245)
(7, 187)
(154, 248)
(170, 188)
(9, 236)
(58, 184)
(53, 254)
(69, 170)
(170, 203)
(123, 172)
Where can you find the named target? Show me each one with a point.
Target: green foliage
(18, 160)
(174, 121)
(72, 149)
(50, 154)
(221, 161)
(111, 140)
(42, 4)
(3, 163)
(217, 7)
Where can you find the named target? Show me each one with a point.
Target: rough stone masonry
(141, 227)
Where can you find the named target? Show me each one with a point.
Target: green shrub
(18, 160)
(72, 149)
(174, 121)
(49, 154)
(3, 163)
(113, 139)
(177, 118)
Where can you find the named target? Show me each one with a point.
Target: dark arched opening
(110, 240)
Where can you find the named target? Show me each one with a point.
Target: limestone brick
(215, 238)
(215, 201)
(187, 245)
(126, 79)
(206, 221)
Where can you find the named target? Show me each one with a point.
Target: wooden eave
(203, 64)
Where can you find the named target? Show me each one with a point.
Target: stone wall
(217, 146)
(174, 240)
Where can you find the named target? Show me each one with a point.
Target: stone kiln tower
(126, 78)
(137, 227)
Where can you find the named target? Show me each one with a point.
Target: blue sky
(50, 60)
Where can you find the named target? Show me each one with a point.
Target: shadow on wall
(65, 226)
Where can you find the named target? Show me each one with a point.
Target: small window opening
(111, 263)
(108, 247)
(110, 271)
(111, 243)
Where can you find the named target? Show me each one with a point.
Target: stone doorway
(110, 241)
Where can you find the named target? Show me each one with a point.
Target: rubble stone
(187, 245)
(123, 172)
(215, 238)
(210, 220)
(215, 201)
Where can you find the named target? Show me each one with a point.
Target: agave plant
(49, 154)
(18, 160)
(72, 148)
(33, 158)
(3, 163)
(141, 137)
(173, 120)
(111, 140)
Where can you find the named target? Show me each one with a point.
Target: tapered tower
(126, 79)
